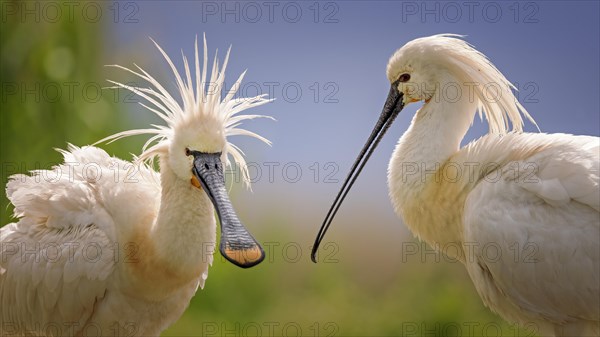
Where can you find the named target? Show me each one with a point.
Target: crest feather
(199, 99)
(472, 67)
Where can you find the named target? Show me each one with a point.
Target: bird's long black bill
(237, 245)
(392, 107)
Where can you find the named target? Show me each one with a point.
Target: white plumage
(107, 247)
(524, 207)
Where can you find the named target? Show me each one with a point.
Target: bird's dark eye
(188, 152)
(404, 78)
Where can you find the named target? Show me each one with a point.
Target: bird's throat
(416, 171)
(178, 247)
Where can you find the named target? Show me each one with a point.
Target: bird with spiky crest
(153, 232)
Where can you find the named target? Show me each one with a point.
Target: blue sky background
(549, 49)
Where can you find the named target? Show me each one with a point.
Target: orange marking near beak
(195, 182)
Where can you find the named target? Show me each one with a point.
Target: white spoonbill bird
(107, 247)
(521, 210)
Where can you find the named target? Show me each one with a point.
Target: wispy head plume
(201, 106)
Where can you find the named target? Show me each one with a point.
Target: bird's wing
(532, 229)
(56, 262)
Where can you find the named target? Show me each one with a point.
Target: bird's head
(414, 70)
(422, 67)
(203, 133)
(194, 142)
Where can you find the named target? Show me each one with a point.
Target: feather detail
(492, 92)
(200, 103)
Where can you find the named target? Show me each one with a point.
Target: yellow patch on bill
(244, 256)
(195, 182)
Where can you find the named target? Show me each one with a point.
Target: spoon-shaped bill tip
(237, 245)
(243, 257)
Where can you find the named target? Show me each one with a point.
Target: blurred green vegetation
(286, 295)
(52, 78)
